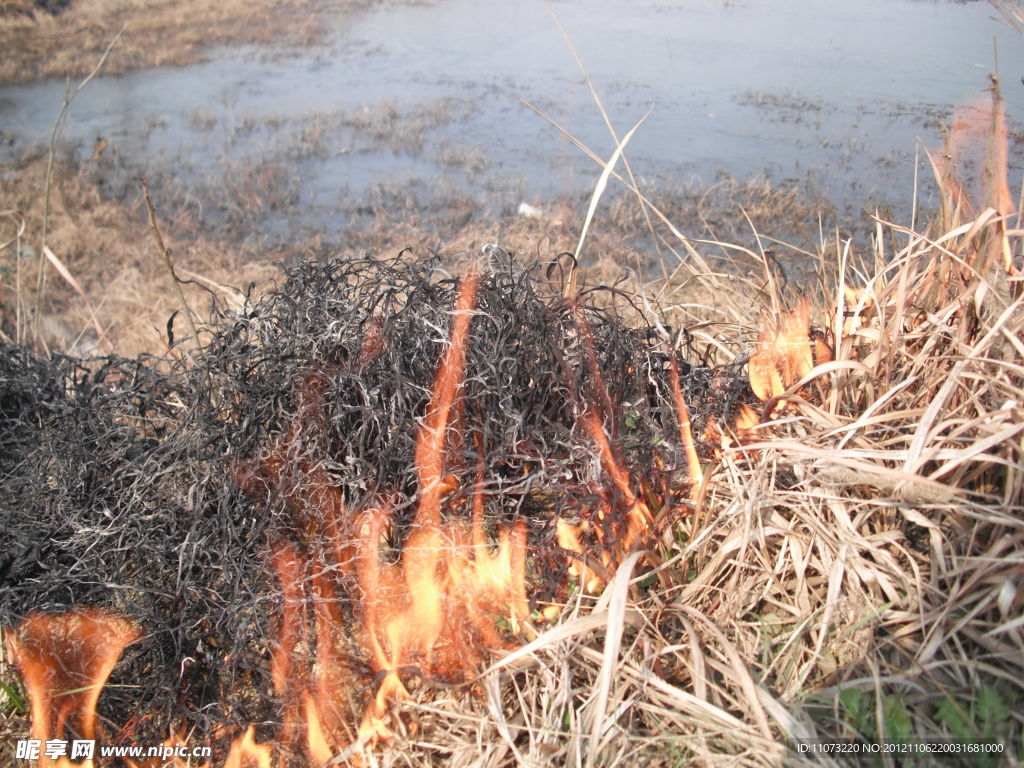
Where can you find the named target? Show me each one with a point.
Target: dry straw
(855, 570)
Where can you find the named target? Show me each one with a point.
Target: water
(828, 96)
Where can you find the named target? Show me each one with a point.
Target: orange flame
(65, 659)
(431, 613)
(979, 134)
(246, 753)
(428, 613)
(696, 476)
(784, 354)
(314, 708)
(323, 708)
(623, 520)
(426, 609)
(288, 662)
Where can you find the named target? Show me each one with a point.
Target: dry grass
(400, 129)
(728, 217)
(38, 44)
(127, 296)
(855, 571)
(106, 246)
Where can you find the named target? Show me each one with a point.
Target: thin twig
(55, 131)
(167, 262)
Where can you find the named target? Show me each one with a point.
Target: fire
(622, 519)
(685, 431)
(457, 589)
(428, 608)
(246, 753)
(427, 614)
(287, 663)
(979, 135)
(65, 659)
(785, 354)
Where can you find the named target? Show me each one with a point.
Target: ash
(155, 487)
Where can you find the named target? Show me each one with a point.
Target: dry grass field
(42, 40)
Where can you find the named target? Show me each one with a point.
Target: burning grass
(851, 566)
(357, 498)
(404, 511)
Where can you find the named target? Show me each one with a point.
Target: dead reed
(853, 570)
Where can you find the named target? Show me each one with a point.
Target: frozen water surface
(830, 96)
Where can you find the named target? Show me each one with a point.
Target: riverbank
(44, 40)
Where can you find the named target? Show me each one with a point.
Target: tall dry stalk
(55, 133)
